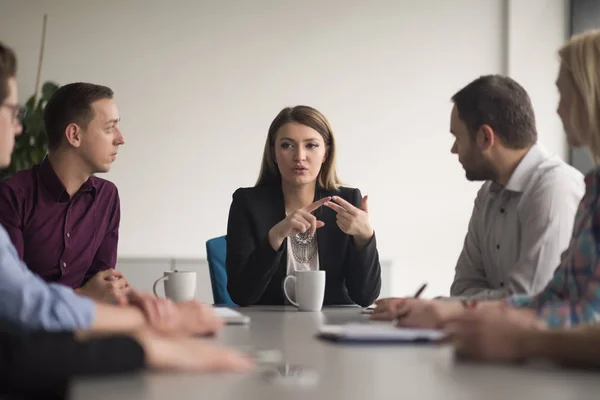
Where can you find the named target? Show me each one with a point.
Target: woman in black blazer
(298, 216)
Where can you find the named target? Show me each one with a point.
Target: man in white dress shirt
(524, 212)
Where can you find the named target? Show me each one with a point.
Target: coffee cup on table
(179, 285)
(305, 290)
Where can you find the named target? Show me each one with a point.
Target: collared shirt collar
(524, 171)
(55, 186)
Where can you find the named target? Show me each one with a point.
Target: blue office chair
(216, 253)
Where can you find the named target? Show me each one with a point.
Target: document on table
(231, 317)
(378, 333)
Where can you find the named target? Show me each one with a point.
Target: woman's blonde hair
(580, 57)
(307, 116)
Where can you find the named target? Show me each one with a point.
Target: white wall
(198, 83)
(537, 28)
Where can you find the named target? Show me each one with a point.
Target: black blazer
(255, 271)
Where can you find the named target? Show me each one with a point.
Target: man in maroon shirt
(63, 220)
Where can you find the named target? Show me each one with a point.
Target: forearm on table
(363, 273)
(448, 308)
(40, 364)
(249, 275)
(577, 347)
(364, 291)
(111, 318)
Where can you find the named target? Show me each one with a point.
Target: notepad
(378, 333)
(231, 317)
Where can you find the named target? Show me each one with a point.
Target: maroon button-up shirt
(63, 239)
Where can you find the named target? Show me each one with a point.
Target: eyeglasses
(18, 111)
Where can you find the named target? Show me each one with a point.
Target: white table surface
(346, 371)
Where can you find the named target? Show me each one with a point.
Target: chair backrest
(216, 253)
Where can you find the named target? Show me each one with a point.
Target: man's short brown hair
(501, 103)
(71, 103)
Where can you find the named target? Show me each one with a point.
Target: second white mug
(309, 289)
(179, 285)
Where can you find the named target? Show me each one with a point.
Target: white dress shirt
(294, 265)
(517, 232)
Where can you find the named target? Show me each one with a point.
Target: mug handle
(156, 283)
(285, 281)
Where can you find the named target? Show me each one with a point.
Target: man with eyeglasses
(63, 220)
(85, 340)
(18, 111)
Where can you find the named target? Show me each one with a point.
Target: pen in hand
(423, 286)
(416, 296)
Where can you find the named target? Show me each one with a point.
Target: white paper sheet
(231, 316)
(383, 332)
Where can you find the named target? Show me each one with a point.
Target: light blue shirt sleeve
(28, 303)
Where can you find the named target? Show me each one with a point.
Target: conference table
(343, 371)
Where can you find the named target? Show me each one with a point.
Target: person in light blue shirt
(27, 303)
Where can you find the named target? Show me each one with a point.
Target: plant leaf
(48, 89)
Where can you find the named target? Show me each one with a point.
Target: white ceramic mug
(179, 285)
(309, 289)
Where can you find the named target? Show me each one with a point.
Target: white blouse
(294, 265)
